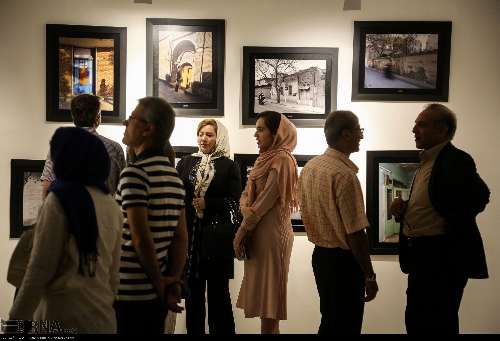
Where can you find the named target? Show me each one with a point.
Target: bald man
(440, 244)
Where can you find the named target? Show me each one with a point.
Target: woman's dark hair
(85, 109)
(271, 120)
(80, 159)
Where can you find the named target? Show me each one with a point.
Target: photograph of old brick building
(290, 85)
(86, 65)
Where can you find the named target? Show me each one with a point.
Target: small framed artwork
(389, 175)
(299, 82)
(245, 163)
(298, 225)
(26, 194)
(185, 64)
(181, 151)
(401, 61)
(85, 60)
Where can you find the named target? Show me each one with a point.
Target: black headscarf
(80, 159)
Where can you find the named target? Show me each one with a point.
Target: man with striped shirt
(154, 244)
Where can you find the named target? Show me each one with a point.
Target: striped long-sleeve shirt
(152, 183)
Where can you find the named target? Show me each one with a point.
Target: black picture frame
(77, 57)
(181, 151)
(305, 77)
(401, 60)
(193, 92)
(25, 187)
(246, 161)
(389, 174)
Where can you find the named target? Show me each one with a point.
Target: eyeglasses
(132, 117)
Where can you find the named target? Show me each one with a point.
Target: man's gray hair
(336, 122)
(445, 117)
(160, 113)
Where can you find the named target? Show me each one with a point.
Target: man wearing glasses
(440, 244)
(332, 209)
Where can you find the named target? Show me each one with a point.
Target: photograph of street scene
(394, 182)
(86, 66)
(401, 61)
(184, 66)
(290, 86)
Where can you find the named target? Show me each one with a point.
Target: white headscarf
(206, 170)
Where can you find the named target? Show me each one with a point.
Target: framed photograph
(181, 151)
(299, 82)
(85, 60)
(401, 61)
(389, 175)
(26, 194)
(245, 163)
(185, 64)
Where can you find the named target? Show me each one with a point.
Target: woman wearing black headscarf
(72, 275)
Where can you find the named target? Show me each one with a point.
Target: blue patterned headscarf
(80, 159)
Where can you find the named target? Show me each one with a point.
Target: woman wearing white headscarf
(213, 187)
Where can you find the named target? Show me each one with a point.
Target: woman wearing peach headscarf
(266, 235)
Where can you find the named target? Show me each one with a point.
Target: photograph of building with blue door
(86, 66)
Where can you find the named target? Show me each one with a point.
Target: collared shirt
(331, 200)
(116, 156)
(421, 220)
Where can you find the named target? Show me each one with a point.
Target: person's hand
(166, 281)
(199, 204)
(173, 297)
(172, 293)
(398, 208)
(371, 289)
(238, 242)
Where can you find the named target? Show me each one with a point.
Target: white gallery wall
(474, 95)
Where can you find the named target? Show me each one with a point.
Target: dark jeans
(435, 287)
(140, 317)
(220, 310)
(341, 288)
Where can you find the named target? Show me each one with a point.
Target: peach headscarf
(278, 157)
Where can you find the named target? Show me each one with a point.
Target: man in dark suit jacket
(440, 244)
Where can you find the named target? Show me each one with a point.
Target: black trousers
(435, 287)
(341, 288)
(140, 317)
(220, 310)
